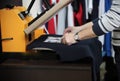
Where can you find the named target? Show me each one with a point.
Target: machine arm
(23, 14)
(48, 15)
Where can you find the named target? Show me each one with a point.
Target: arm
(84, 32)
(106, 23)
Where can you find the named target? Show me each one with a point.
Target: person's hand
(68, 36)
(81, 32)
(68, 39)
(73, 30)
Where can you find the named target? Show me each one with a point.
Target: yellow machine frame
(12, 30)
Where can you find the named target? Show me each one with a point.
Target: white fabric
(70, 16)
(101, 7)
(101, 12)
(89, 7)
(116, 35)
(111, 20)
(35, 8)
(61, 21)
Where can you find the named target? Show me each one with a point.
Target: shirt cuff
(96, 28)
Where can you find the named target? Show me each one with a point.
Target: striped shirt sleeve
(109, 21)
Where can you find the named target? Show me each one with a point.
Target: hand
(73, 30)
(84, 32)
(68, 36)
(68, 39)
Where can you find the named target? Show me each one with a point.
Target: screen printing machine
(26, 56)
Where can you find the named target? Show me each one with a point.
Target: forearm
(104, 24)
(86, 31)
(108, 21)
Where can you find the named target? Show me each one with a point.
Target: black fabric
(90, 48)
(96, 28)
(117, 59)
(111, 69)
(75, 5)
(95, 11)
(3, 3)
(92, 16)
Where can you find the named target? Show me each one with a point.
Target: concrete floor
(102, 71)
(111, 73)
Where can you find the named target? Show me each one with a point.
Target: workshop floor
(102, 71)
(111, 74)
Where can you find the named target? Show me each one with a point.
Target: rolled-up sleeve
(109, 21)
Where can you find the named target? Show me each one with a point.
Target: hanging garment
(51, 26)
(79, 17)
(70, 16)
(101, 12)
(65, 19)
(61, 21)
(89, 7)
(107, 41)
(101, 7)
(95, 9)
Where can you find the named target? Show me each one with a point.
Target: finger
(67, 30)
(63, 40)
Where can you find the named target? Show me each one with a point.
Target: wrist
(76, 37)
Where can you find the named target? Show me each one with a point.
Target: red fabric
(51, 25)
(57, 1)
(78, 15)
(50, 1)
